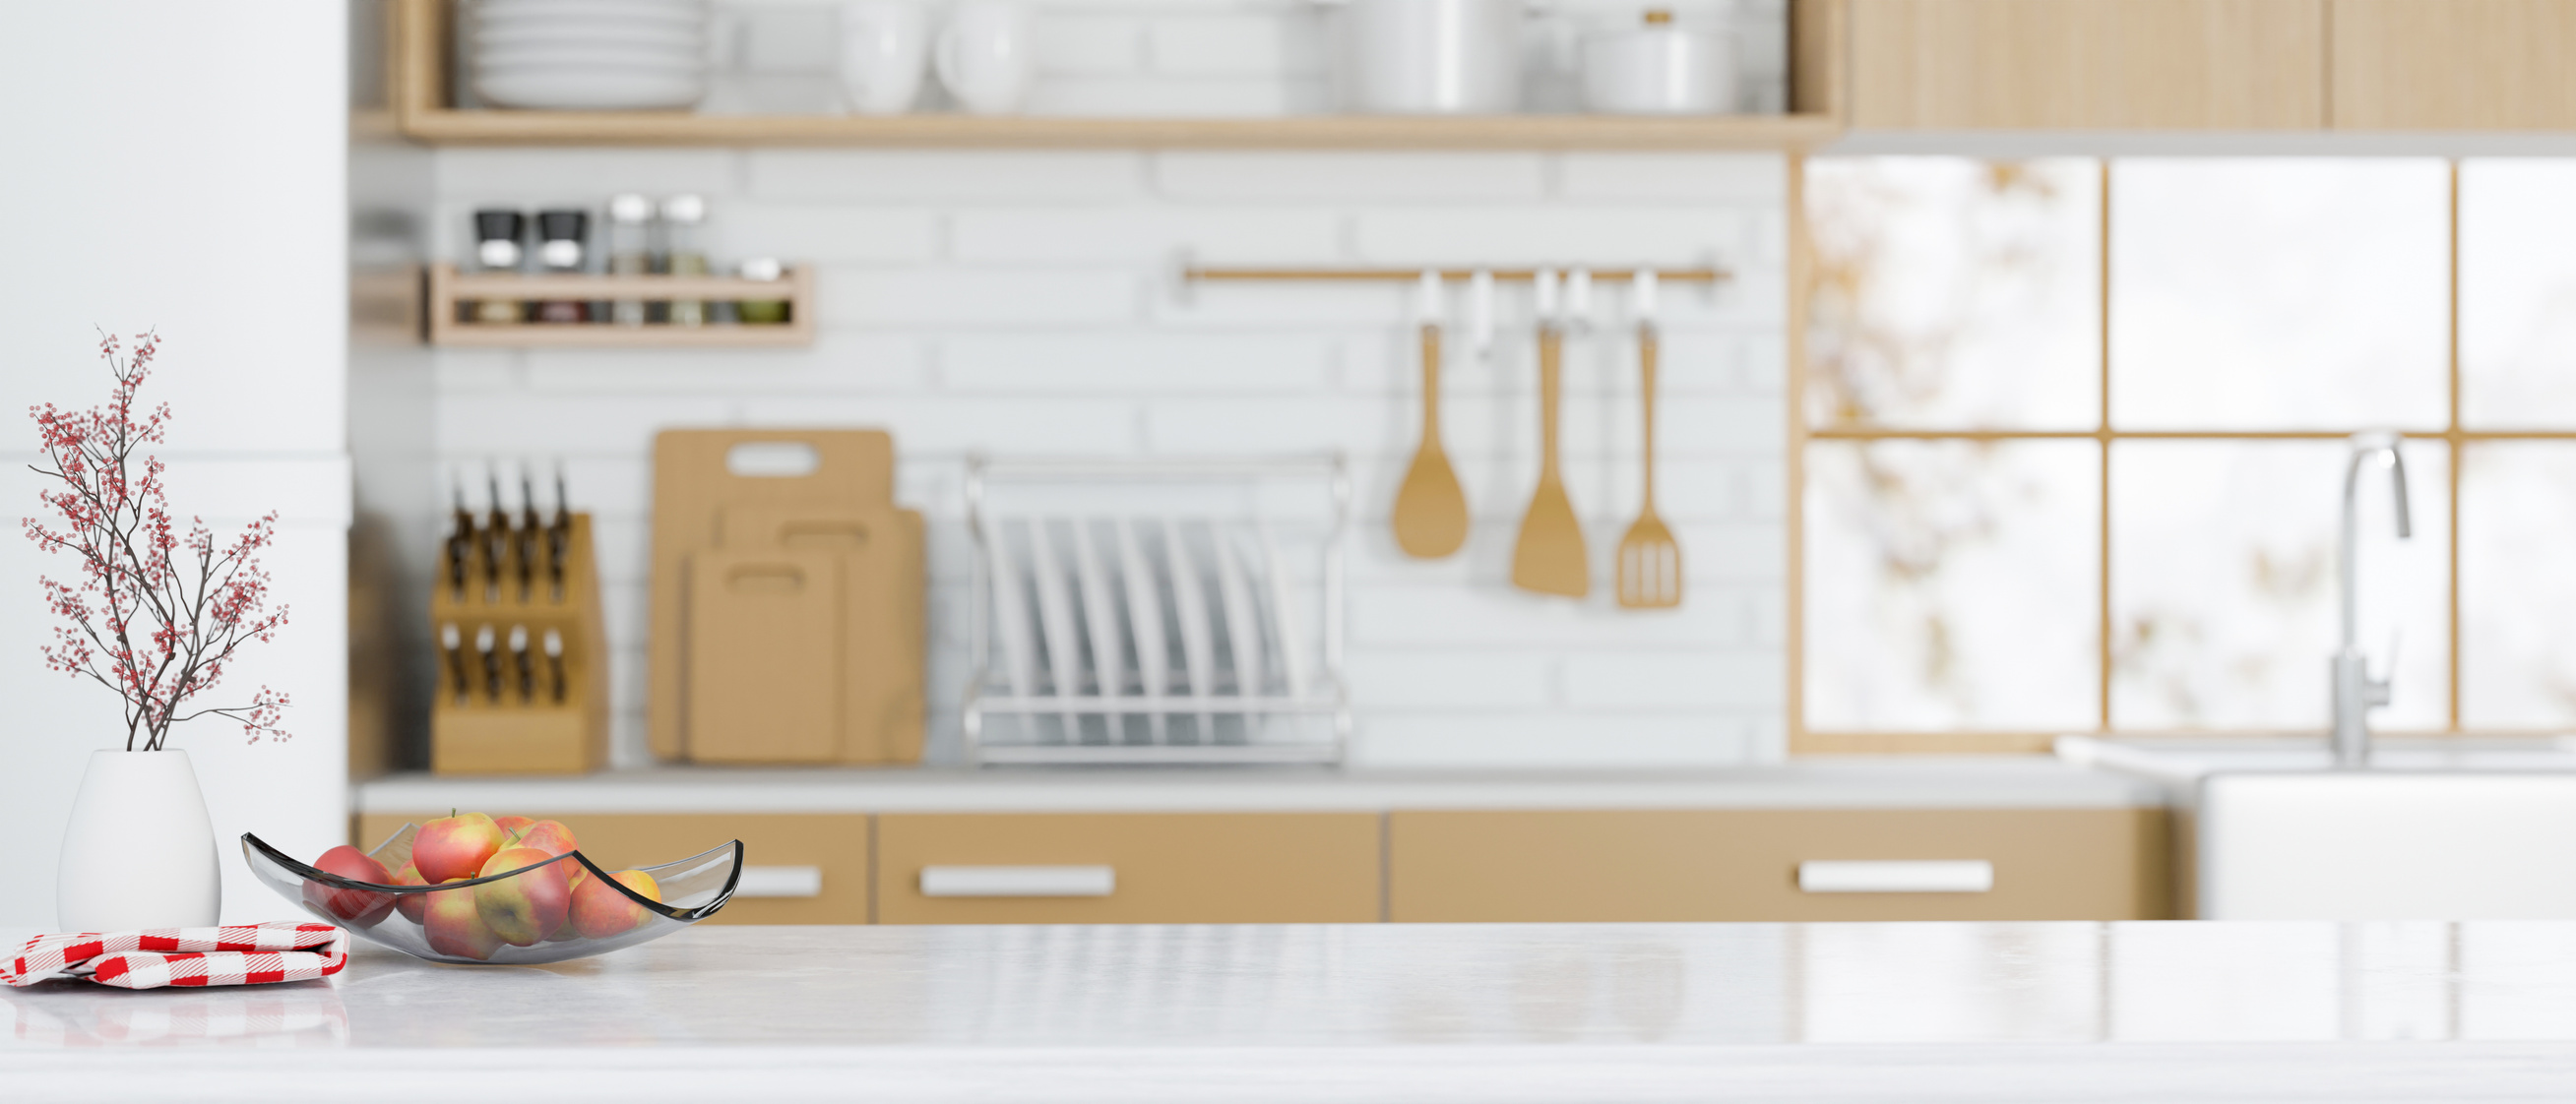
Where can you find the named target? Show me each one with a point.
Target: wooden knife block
(539, 732)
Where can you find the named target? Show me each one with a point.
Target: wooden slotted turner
(1430, 509)
(1650, 560)
(1550, 557)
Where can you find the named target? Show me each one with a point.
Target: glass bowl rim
(733, 877)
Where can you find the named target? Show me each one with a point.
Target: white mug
(885, 46)
(987, 55)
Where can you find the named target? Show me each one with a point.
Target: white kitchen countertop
(1914, 782)
(1564, 1012)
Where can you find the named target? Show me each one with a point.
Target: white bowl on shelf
(489, 11)
(582, 32)
(594, 88)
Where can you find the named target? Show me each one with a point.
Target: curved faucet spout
(2354, 691)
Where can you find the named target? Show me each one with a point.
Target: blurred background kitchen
(1032, 386)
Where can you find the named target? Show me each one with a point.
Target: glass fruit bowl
(563, 908)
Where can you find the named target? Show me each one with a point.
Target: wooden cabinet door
(1744, 864)
(809, 868)
(1129, 868)
(2089, 64)
(2454, 64)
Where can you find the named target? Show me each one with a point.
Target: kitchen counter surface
(1642, 1012)
(1911, 782)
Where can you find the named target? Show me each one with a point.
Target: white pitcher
(140, 849)
(987, 55)
(885, 47)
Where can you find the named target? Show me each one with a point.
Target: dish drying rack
(1258, 581)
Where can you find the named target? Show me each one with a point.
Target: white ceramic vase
(140, 850)
(986, 55)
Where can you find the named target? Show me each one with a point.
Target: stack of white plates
(590, 55)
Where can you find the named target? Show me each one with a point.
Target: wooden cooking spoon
(1550, 557)
(1430, 509)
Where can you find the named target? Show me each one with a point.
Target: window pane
(2223, 595)
(2517, 293)
(1951, 585)
(2518, 647)
(2280, 294)
(1954, 293)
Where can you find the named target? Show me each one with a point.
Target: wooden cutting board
(884, 622)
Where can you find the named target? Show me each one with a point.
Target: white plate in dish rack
(1100, 619)
(1198, 636)
(1242, 614)
(1145, 620)
(1011, 614)
(1055, 622)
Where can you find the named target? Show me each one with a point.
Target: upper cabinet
(2454, 64)
(2090, 64)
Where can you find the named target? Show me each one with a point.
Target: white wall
(178, 165)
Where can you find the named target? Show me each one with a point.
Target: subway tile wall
(1023, 303)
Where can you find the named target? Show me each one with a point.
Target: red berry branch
(157, 613)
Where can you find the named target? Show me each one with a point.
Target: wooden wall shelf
(446, 288)
(422, 44)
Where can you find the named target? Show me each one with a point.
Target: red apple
(454, 847)
(413, 906)
(599, 910)
(529, 906)
(354, 908)
(551, 837)
(513, 825)
(456, 926)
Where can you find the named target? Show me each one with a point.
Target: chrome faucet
(2355, 692)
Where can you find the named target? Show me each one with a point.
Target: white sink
(2455, 829)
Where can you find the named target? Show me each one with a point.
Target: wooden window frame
(1803, 740)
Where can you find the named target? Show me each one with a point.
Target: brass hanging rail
(1702, 275)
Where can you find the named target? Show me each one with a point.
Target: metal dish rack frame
(1332, 700)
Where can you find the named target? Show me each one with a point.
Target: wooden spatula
(1550, 557)
(1430, 509)
(1650, 561)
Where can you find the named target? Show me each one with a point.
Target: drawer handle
(779, 881)
(1018, 881)
(1940, 876)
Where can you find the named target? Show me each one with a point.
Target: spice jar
(630, 219)
(561, 247)
(497, 235)
(682, 254)
(762, 311)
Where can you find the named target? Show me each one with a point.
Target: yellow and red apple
(413, 906)
(455, 925)
(455, 847)
(600, 910)
(356, 908)
(526, 907)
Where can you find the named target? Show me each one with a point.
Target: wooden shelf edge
(1489, 132)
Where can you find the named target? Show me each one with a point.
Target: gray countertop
(2047, 1011)
(1806, 783)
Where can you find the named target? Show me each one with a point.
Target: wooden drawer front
(2454, 64)
(836, 845)
(1165, 868)
(2048, 864)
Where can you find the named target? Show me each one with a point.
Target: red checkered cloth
(235, 954)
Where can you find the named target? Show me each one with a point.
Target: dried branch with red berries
(157, 614)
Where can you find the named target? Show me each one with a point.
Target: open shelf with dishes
(424, 36)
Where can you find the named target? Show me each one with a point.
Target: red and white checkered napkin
(236, 954)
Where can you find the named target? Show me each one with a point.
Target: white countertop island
(1509, 1013)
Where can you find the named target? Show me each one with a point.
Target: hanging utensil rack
(1275, 729)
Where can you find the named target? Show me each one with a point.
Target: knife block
(546, 724)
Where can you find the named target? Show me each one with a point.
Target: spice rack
(447, 288)
(523, 710)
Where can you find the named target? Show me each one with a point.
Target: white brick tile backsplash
(1081, 43)
(1237, 44)
(1727, 179)
(471, 175)
(1006, 298)
(1135, 363)
(1747, 678)
(1165, 98)
(823, 232)
(1149, 234)
(947, 177)
(1607, 236)
(1022, 303)
(1435, 178)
